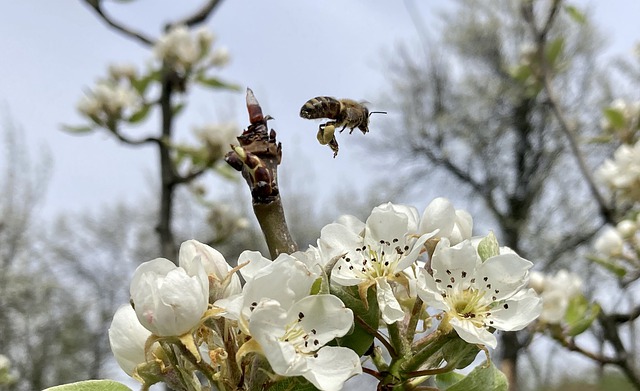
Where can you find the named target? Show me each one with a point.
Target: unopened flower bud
(609, 242)
(626, 228)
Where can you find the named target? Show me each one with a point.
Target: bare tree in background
(478, 123)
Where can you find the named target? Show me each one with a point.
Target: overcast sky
(287, 51)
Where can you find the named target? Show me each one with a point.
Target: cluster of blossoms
(109, 101)
(622, 174)
(622, 119)
(291, 311)
(556, 292)
(182, 50)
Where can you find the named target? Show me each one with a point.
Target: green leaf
(293, 383)
(214, 82)
(554, 49)
(459, 353)
(177, 109)
(615, 117)
(359, 340)
(618, 271)
(488, 247)
(91, 385)
(142, 83)
(575, 14)
(521, 72)
(141, 114)
(448, 379)
(580, 315)
(77, 129)
(482, 379)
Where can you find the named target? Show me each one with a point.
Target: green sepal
(359, 340)
(91, 385)
(482, 378)
(488, 247)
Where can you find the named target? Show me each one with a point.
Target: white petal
(336, 240)
(386, 223)
(429, 293)
(326, 314)
(389, 307)
(439, 214)
(256, 263)
(454, 267)
(332, 367)
(352, 223)
(505, 272)
(468, 332)
(416, 249)
(127, 338)
(516, 313)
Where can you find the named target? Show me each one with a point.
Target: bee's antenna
(377, 112)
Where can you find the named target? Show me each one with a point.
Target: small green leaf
(615, 117)
(77, 129)
(554, 49)
(142, 83)
(618, 271)
(580, 315)
(91, 385)
(140, 115)
(488, 247)
(214, 82)
(482, 379)
(359, 340)
(521, 72)
(459, 353)
(177, 109)
(293, 383)
(575, 14)
(448, 379)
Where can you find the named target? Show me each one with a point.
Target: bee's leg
(343, 129)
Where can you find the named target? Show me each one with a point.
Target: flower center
(374, 261)
(470, 305)
(303, 342)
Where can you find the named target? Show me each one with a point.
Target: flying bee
(344, 112)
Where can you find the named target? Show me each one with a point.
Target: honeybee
(343, 112)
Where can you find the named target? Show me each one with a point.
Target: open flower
(375, 253)
(127, 338)
(285, 280)
(476, 295)
(293, 339)
(556, 291)
(169, 300)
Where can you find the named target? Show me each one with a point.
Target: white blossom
(180, 49)
(622, 174)
(222, 283)
(474, 295)
(220, 57)
(293, 339)
(375, 253)
(627, 228)
(609, 243)
(170, 300)
(451, 223)
(556, 292)
(285, 280)
(127, 338)
(217, 137)
(109, 101)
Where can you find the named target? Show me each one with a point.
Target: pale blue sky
(286, 51)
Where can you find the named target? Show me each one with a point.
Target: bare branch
(197, 17)
(138, 36)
